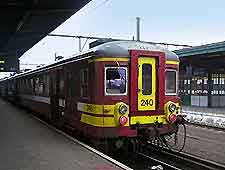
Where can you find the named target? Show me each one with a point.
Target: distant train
(115, 92)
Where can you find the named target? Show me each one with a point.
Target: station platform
(215, 110)
(27, 144)
(214, 117)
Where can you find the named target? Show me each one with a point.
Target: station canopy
(25, 22)
(210, 56)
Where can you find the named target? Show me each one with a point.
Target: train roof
(109, 49)
(121, 48)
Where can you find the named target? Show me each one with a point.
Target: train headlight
(172, 118)
(123, 120)
(121, 114)
(172, 107)
(123, 109)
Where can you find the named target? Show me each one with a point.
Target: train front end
(154, 102)
(138, 96)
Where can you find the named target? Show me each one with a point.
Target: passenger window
(46, 85)
(39, 87)
(84, 82)
(115, 80)
(61, 84)
(171, 80)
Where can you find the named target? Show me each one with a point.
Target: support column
(209, 88)
(190, 75)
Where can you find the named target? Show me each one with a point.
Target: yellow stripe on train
(99, 121)
(110, 121)
(96, 109)
(148, 119)
(113, 121)
(172, 62)
(108, 59)
(124, 59)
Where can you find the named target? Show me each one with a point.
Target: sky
(191, 22)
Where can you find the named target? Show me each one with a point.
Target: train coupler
(181, 118)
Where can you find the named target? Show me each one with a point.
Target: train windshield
(171, 82)
(146, 79)
(115, 80)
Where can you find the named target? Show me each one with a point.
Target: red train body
(115, 91)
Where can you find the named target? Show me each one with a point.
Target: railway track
(157, 163)
(170, 160)
(164, 159)
(192, 161)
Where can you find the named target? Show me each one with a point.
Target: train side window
(36, 82)
(69, 80)
(39, 86)
(171, 82)
(61, 84)
(46, 85)
(115, 80)
(84, 82)
(32, 85)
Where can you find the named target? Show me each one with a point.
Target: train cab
(134, 87)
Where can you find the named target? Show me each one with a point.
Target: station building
(202, 75)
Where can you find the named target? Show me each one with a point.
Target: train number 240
(148, 102)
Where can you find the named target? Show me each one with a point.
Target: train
(113, 94)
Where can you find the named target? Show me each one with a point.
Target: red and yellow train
(114, 92)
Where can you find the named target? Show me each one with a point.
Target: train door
(148, 88)
(146, 83)
(54, 96)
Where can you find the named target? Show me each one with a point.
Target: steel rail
(200, 162)
(163, 164)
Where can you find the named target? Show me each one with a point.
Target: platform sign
(9, 64)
